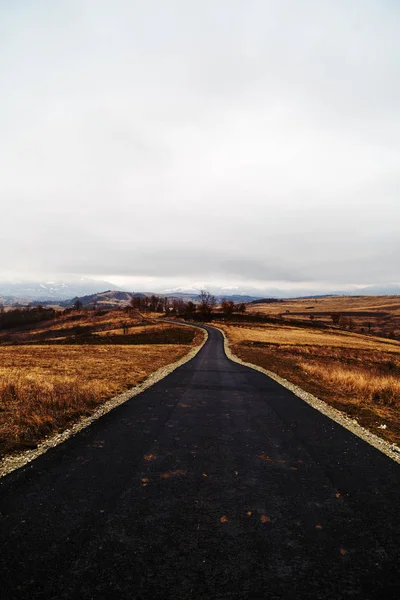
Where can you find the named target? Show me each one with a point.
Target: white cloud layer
(223, 140)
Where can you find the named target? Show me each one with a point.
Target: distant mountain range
(120, 299)
(26, 291)
(274, 292)
(65, 292)
(388, 289)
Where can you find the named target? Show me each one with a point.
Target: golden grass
(355, 373)
(386, 321)
(290, 335)
(330, 303)
(136, 328)
(43, 389)
(72, 323)
(361, 384)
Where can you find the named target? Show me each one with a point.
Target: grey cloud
(243, 141)
(192, 263)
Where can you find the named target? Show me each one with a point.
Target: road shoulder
(390, 450)
(15, 461)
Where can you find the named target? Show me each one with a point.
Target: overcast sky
(174, 143)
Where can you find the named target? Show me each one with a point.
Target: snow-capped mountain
(52, 290)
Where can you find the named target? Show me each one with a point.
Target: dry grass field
(355, 373)
(379, 315)
(45, 387)
(78, 323)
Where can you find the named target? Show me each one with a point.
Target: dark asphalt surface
(215, 483)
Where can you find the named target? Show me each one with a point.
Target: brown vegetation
(45, 387)
(377, 315)
(76, 325)
(355, 373)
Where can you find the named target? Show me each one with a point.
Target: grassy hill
(379, 315)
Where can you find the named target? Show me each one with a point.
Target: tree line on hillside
(151, 303)
(203, 309)
(24, 316)
(187, 309)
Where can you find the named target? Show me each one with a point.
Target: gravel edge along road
(391, 450)
(14, 461)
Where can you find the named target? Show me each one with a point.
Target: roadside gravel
(391, 450)
(15, 461)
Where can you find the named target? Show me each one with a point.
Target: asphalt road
(215, 483)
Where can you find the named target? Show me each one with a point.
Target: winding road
(215, 483)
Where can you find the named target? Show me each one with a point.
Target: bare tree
(344, 322)
(190, 310)
(136, 302)
(241, 308)
(207, 303)
(178, 306)
(335, 318)
(153, 301)
(228, 306)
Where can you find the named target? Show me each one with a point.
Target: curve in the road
(217, 482)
